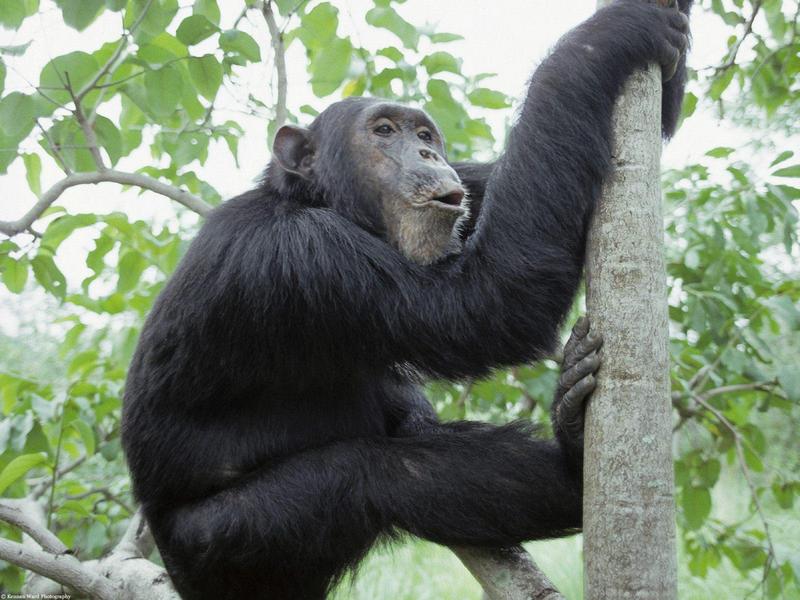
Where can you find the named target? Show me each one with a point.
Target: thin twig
(762, 386)
(55, 149)
(241, 16)
(280, 62)
(190, 201)
(104, 70)
(737, 441)
(86, 127)
(748, 28)
(40, 488)
(56, 462)
(107, 494)
(292, 13)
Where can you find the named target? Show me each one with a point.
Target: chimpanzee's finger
(571, 407)
(586, 366)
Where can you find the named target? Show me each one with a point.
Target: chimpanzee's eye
(384, 130)
(425, 136)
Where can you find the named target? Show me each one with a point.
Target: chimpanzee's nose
(428, 154)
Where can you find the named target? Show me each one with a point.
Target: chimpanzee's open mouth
(448, 199)
(453, 198)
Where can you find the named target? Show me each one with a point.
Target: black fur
(273, 423)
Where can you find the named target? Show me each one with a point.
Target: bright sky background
(507, 37)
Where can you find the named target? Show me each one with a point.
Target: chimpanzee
(273, 419)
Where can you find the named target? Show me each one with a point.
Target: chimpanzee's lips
(453, 198)
(446, 198)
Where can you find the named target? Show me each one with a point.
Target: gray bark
(507, 574)
(628, 523)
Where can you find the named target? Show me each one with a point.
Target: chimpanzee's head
(383, 166)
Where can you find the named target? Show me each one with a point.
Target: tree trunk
(628, 522)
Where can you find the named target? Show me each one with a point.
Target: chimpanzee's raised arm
(476, 175)
(501, 300)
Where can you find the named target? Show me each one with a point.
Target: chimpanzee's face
(400, 156)
(398, 161)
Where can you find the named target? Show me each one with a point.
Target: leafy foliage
(732, 249)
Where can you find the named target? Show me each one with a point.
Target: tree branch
(22, 514)
(748, 28)
(280, 62)
(137, 541)
(145, 182)
(107, 494)
(761, 386)
(105, 69)
(507, 574)
(63, 568)
(86, 127)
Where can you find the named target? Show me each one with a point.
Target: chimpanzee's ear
(293, 151)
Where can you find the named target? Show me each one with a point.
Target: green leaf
(83, 362)
(109, 137)
(61, 228)
(15, 274)
(86, 433)
(116, 5)
(439, 62)
(155, 21)
(79, 14)
(33, 171)
(391, 53)
(76, 506)
(15, 50)
(19, 467)
(208, 8)
(206, 74)
(14, 12)
(720, 152)
(387, 18)
(319, 26)
(16, 114)
(284, 6)
(479, 128)
(240, 43)
(2, 75)
(163, 89)
(195, 29)
(443, 38)
(130, 268)
(79, 66)
(789, 378)
(329, 66)
(785, 155)
(696, 504)
(48, 275)
(793, 171)
(784, 494)
(162, 49)
(488, 98)
(689, 106)
(708, 472)
(68, 135)
(720, 84)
